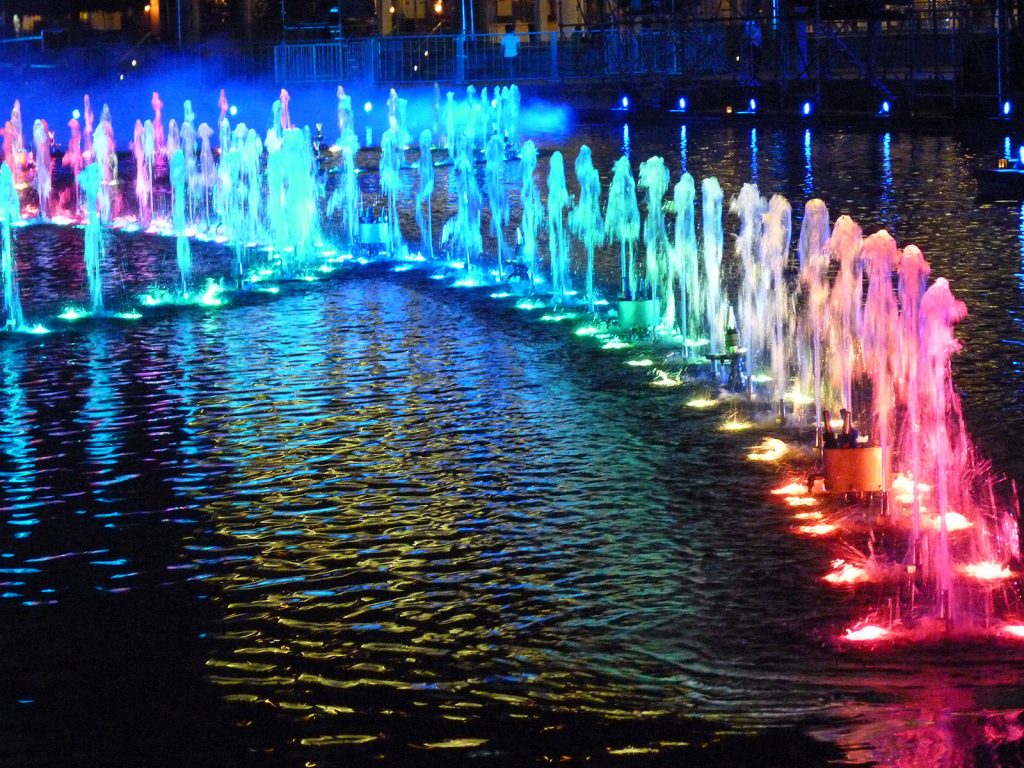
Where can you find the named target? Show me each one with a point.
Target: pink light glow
(845, 573)
(808, 516)
(801, 501)
(792, 489)
(986, 571)
(866, 634)
(954, 522)
(820, 529)
(1014, 630)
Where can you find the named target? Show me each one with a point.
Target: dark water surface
(377, 520)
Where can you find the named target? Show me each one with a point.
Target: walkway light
(806, 109)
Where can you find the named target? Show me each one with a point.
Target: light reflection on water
(406, 518)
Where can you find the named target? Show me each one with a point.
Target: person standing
(510, 51)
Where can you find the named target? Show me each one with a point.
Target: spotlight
(886, 108)
(682, 103)
(1020, 154)
(233, 110)
(625, 102)
(121, 76)
(1007, 108)
(806, 109)
(753, 105)
(75, 114)
(368, 107)
(135, 62)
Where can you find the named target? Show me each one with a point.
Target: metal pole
(999, 57)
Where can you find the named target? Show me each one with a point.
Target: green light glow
(500, 295)
(586, 330)
(129, 315)
(693, 343)
(761, 378)
(645, 363)
(558, 317)
(73, 313)
(38, 329)
(211, 297)
(155, 297)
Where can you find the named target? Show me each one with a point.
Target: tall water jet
(179, 177)
(187, 134)
(159, 142)
(712, 247)
(252, 179)
(585, 220)
(558, 243)
(622, 223)
(449, 125)
(89, 118)
(91, 181)
(813, 256)
(424, 214)
(463, 230)
(684, 258)
(653, 179)
(750, 207)
(775, 312)
(345, 197)
(72, 159)
(102, 152)
(391, 183)
(41, 139)
(142, 179)
(346, 119)
(533, 211)
(149, 152)
(879, 338)
(497, 195)
(911, 287)
(10, 209)
(207, 170)
(844, 306)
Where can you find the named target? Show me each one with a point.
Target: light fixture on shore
(806, 108)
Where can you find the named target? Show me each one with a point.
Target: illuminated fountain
(41, 139)
(424, 213)
(558, 242)
(10, 209)
(585, 218)
(532, 207)
(497, 195)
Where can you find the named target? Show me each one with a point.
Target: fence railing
(905, 49)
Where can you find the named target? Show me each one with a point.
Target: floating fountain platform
(853, 470)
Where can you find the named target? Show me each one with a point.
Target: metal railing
(891, 53)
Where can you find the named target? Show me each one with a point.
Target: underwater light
(753, 105)
(1007, 108)
(701, 402)
(806, 108)
(735, 425)
(616, 344)
(886, 108)
(682, 103)
(770, 449)
(845, 573)
(986, 571)
(625, 102)
(129, 315)
(866, 634)
(818, 529)
(73, 313)
(211, 296)
(38, 329)
(586, 330)
(1014, 630)
(644, 363)
(500, 295)
(792, 489)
